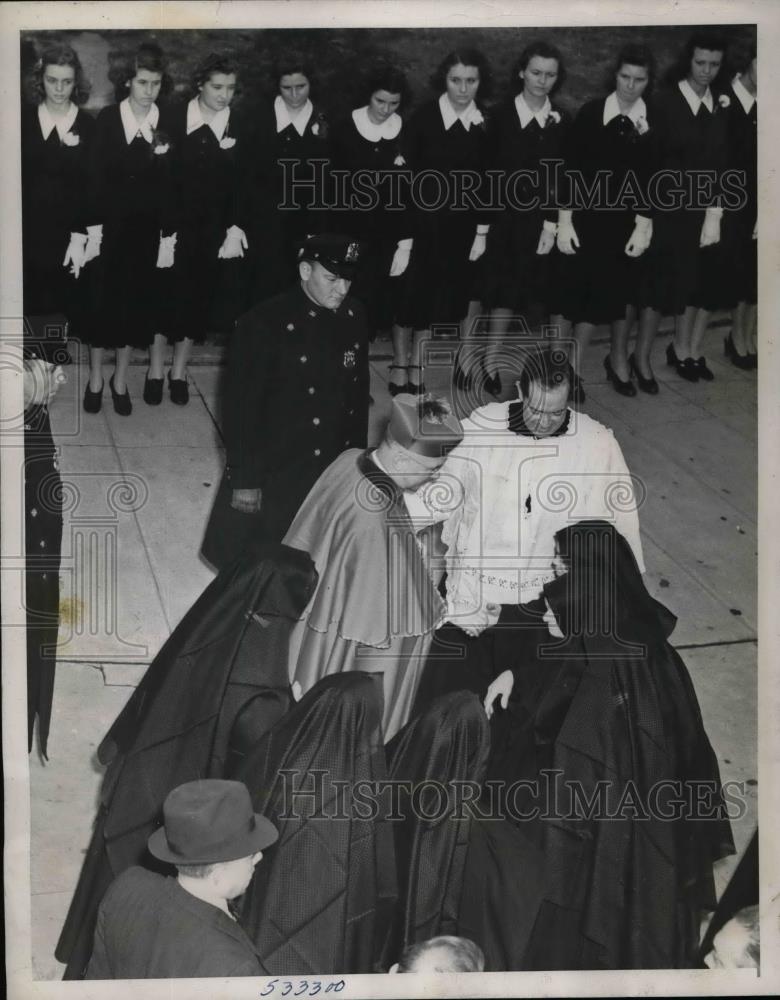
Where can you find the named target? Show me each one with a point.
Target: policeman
(296, 395)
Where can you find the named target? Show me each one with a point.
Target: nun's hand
(567, 241)
(166, 251)
(546, 238)
(234, 244)
(401, 258)
(640, 238)
(710, 230)
(478, 246)
(74, 255)
(500, 688)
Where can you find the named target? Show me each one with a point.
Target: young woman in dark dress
(130, 193)
(682, 273)
(599, 279)
(199, 294)
(527, 130)
(740, 227)
(446, 135)
(56, 138)
(627, 883)
(370, 141)
(289, 128)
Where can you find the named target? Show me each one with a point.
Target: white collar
(693, 99)
(195, 119)
(283, 116)
(471, 116)
(742, 94)
(612, 109)
(63, 123)
(131, 125)
(372, 132)
(526, 114)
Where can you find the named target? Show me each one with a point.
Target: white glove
(479, 244)
(401, 258)
(640, 239)
(567, 241)
(74, 255)
(546, 238)
(165, 252)
(755, 230)
(710, 230)
(234, 244)
(94, 239)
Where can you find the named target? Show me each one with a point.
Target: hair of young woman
(214, 62)
(709, 41)
(386, 78)
(57, 54)
(465, 57)
(634, 55)
(545, 51)
(125, 66)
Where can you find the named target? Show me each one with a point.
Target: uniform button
(34, 512)
(27, 427)
(311, 390)
(43, 576)
(312, 313)
(350, 313)
(304, 359)
(346, 443)
(291, 326)
(316, 451)
(316, 421)
(357, 345)
(42, 544)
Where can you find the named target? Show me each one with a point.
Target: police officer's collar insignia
(349, 358)
(352, 253)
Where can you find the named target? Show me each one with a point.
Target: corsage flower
(553, 118)
(160, 143)
(641, 125)
(227, 142)
(71, 139)
(724, 101)
(399, 161)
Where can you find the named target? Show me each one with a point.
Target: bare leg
(683, 330)
(751, 327)
(649, 322)
(562, 326)
(156, 356)
(402, 336)
(95, 369)
(618, 345)
(120, 372)
(582, 334)
(499, 324)
(181, 354)
(415, 361)
(738, 328)
(699, 326)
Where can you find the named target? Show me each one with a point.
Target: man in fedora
(154, 927)
(370, 533)
(296, 394)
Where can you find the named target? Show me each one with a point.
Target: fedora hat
(210, 821)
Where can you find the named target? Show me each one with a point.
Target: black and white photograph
(388, 427)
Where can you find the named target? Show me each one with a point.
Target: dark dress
(201, 293)
(441, 280)
(516, 277)
(295, 397)
(129, 194)
(217, 684)
(44, 339)
(597, 282)
(627, 880)
(377, 227)
(739, 249)
(54, 185)
(275, 233)
(678, 272)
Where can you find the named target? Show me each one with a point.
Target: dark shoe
(93, 400)
(688, 369)
(395, 388)
(153, 390)
(626, 388)
(753, 360)
(416, 388)
(743, 361)
(577, 392)
(180, 394)
(703, 371)
(671, 356)
(648, 385)
(122, 404)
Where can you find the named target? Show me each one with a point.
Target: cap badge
(349, 359)
(352, 253)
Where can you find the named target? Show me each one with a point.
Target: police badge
(349, 358)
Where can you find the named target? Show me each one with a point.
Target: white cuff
(643, 221)
(236, 231)
(81, 238)
(405, 244)
(715, 211)
(483, 229)
(95, 232)
(564, 216)
(549, 226)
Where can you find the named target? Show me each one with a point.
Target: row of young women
(170, 218)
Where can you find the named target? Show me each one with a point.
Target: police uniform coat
(150, 928)
(295, 397)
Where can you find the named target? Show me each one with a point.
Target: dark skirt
(739, 256)
(679, 273)
(515, 276)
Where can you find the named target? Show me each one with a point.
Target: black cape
(220, 679)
